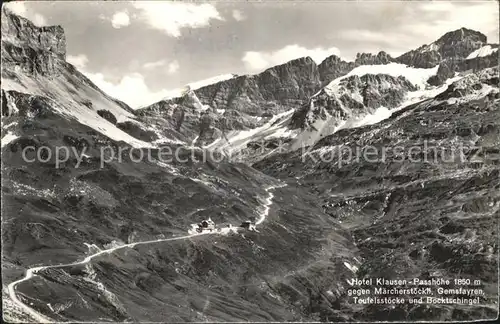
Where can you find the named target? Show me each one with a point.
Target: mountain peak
(460, 35)
(298, 62)
(454, 45)
(371, 59)
(21, 32)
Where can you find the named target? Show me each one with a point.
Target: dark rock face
(24, 33)
(285, 84)
(5, 108)
(420, 58)
(354, 96)
(370, 59)
(334, 67)
(243, 98)
(448, 68)
(25, 105)
(178, 117)
(376, 93)
(460, 43)
(455, 45)
(277, 88)
(107, 115)
(137, 131)
(207, 132)
(445, 71)
(35, 50)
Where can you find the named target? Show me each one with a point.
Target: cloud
(173, 67)
(120, 19)
(152, 65)
(19, 8)
(132, 89)
(39, 20)
(255, 61)
(238, 15)
(79, 61)
(478, 15)
(373, 41)
(170, 17)
(422, 23)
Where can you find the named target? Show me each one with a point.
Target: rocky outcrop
(370, 59)
(423, 57)
(448, 68)
(460, 43)
(280, 87)
(333, 67)
(353, 96)
(274, 89)
(455, 45)
(445, 71)
(106, 114)
(32, 49)
(479, 63)
(15, 103)
(178, 117)
(478, 84)
(137, 131)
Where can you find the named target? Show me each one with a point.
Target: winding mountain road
(30, 273)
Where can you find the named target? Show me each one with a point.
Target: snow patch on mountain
(196, 101)
(237, 140)
(8, 138)
(412, 97)
(416, 76)
(477, 94)
(197, 85)
(430, 92)
(9, 125)
(483, 51)
(380, 114)
(320, 127)
(205, 82)
(76, 100)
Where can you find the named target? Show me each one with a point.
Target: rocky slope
(100, 194)
(454, 45)
(418, 191)
(245, 109)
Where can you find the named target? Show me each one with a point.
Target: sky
(141, 52)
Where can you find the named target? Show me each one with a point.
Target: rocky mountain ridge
(31, 48)
(248, 102)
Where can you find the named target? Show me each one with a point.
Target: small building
(248, 225)
(206, 225)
